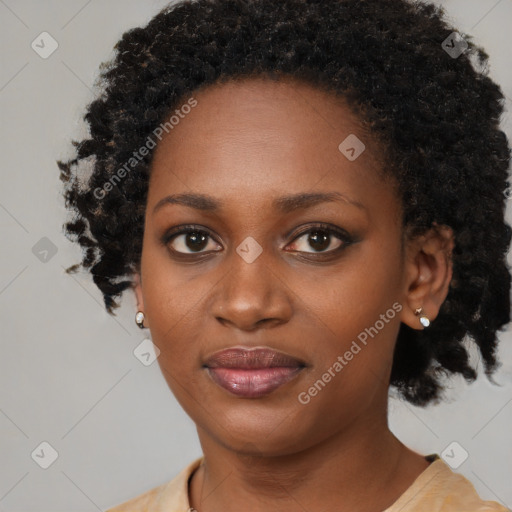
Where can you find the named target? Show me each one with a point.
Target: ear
(428, 273)
(137, 288)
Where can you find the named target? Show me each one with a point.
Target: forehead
(258, 136)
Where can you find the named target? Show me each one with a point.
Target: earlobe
(429, 272)
(422, 317)
(140, 318)
(137, 288)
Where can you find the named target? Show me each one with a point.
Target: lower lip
(254, 382)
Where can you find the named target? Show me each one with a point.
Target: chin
(258, 430)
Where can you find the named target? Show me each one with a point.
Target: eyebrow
(284, 204)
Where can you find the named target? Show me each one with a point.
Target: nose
(252, 296)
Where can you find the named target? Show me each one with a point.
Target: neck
(363, 468)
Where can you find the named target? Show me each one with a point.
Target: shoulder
(140, 503)
(439, 489)
(169, 497)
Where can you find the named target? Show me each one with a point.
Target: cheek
(359, 316)
(352, 295)
(174, 316)
(171, 301)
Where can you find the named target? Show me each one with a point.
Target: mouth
(252, 373)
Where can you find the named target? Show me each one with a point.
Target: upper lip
(252, 358)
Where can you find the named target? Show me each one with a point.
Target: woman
(307, 199)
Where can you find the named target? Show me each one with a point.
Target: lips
(254, 372)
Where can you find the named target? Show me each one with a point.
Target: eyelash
(328, 229)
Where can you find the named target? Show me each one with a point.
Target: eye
(190, 240)
(322, 239)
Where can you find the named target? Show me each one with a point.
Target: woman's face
(272, 265)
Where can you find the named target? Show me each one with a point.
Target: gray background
(68, 375)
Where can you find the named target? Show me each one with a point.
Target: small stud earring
(424, 321)
(139, 319)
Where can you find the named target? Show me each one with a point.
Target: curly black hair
(436, 114)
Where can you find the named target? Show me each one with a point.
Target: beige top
(436, 489)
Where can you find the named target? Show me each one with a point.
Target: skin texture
(246, 144)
